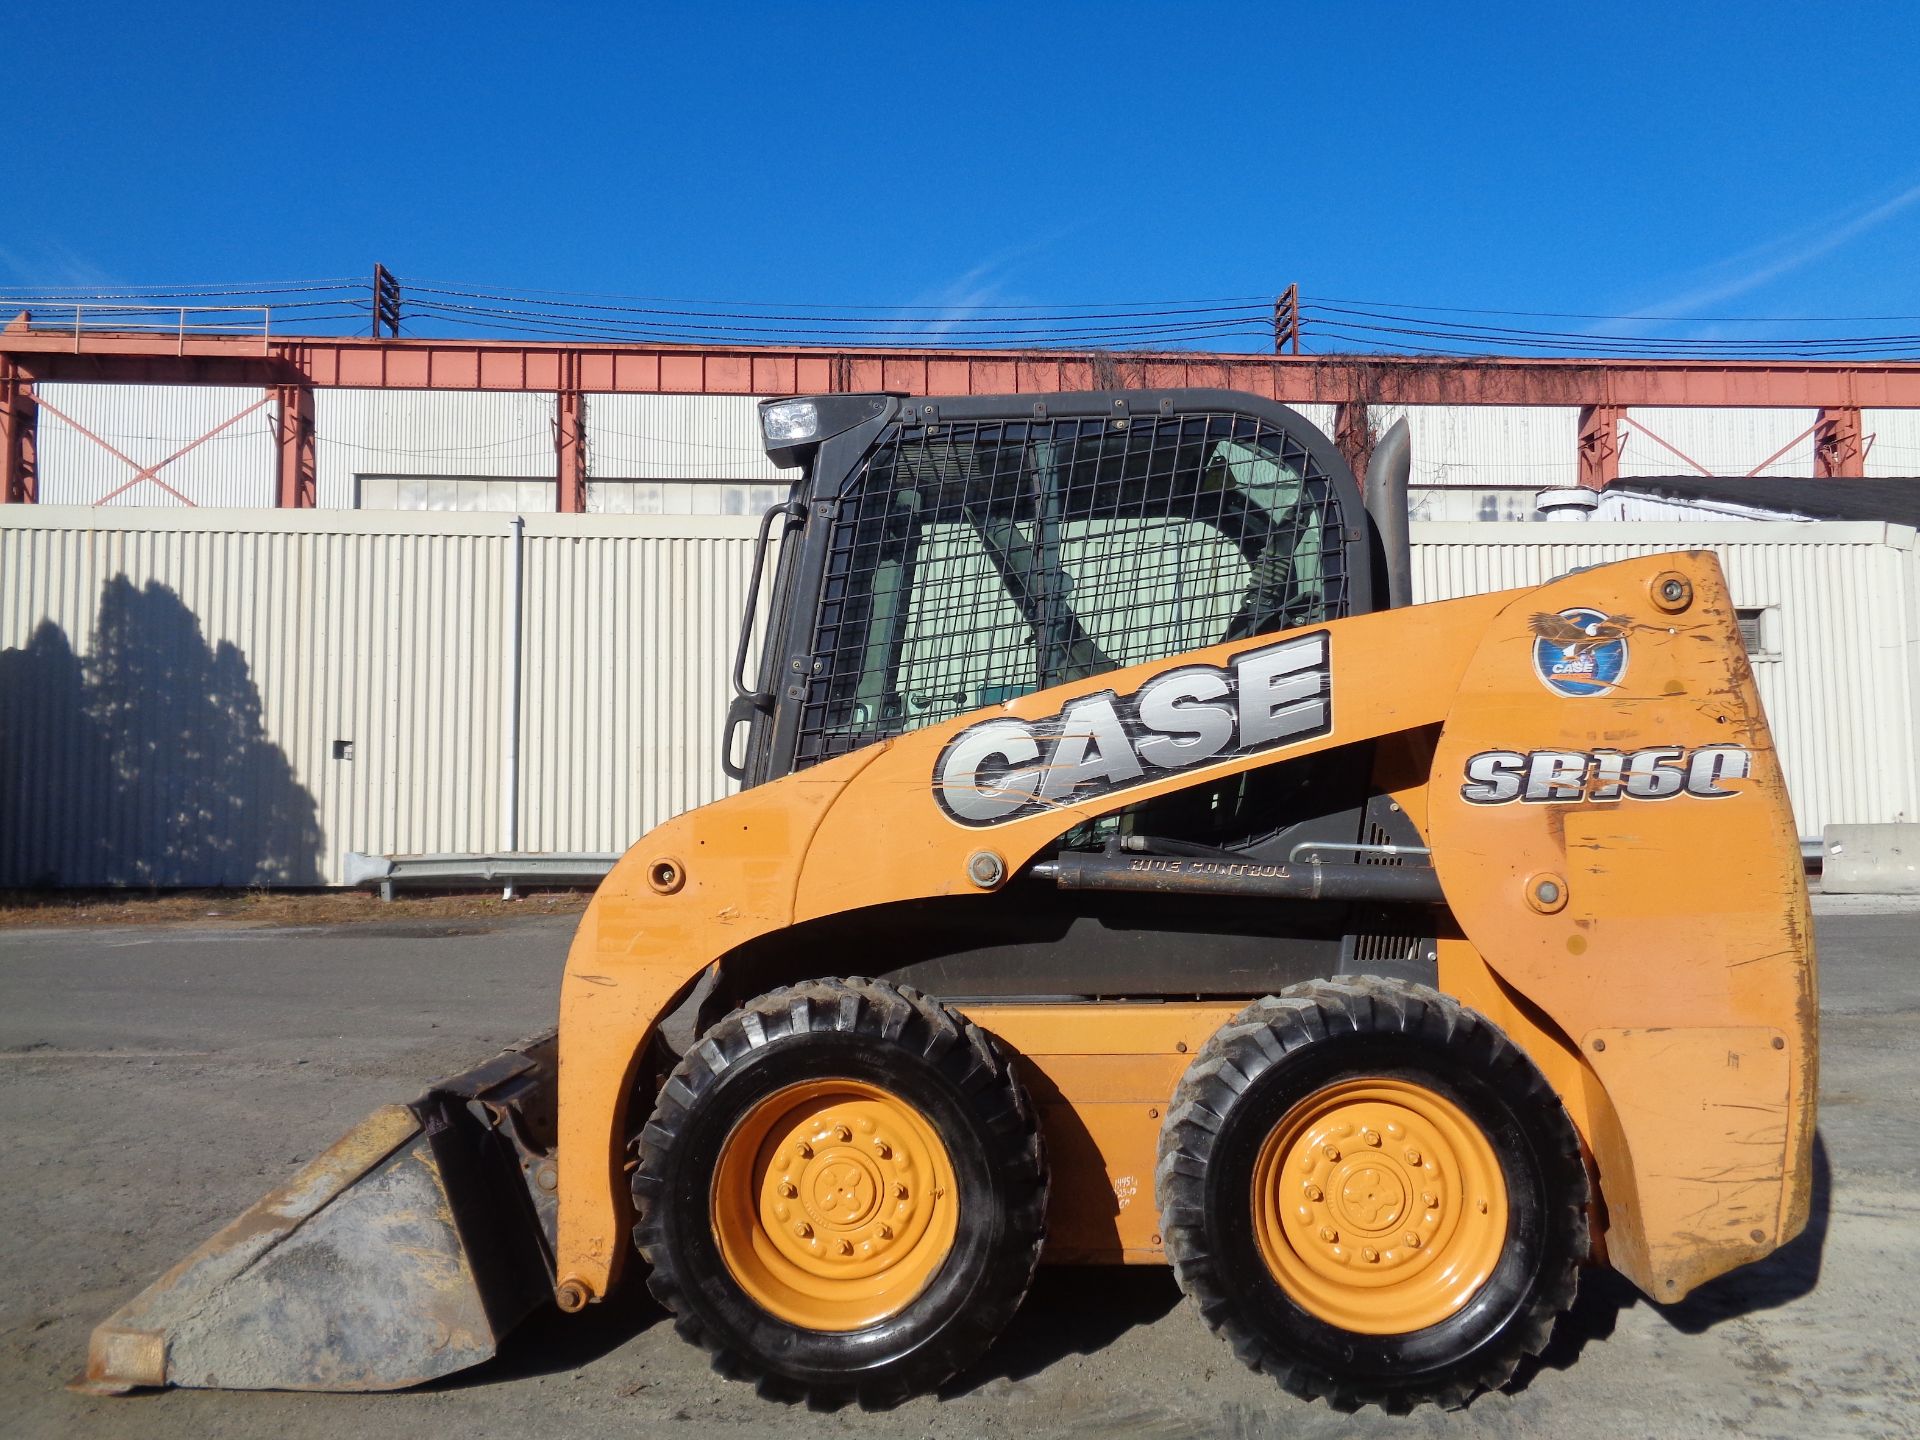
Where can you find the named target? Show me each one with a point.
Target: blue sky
(1697, 161)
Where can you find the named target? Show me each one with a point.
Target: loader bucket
(405, 1252)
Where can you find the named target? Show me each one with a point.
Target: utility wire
(1636, 315)
(454, 288)
(1243, 323)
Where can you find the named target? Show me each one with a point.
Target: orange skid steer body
(1565, 1015)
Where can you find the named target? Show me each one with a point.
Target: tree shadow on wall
(145, 762)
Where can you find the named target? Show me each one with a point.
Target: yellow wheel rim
(1379, 1206)
(833, 1204)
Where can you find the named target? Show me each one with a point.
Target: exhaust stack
(1386, 497)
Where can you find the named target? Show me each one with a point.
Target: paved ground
(154, 1081)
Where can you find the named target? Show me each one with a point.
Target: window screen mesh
(972, 562)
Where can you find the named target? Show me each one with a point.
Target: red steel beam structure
(19, 415)
(1839, 450)
(422, 364)
(296, 480)
(570, 438)
(1602, 389)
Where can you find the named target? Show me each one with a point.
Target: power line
(956, 315)
(1498, 331)
(455, 287)
(1371, 326)
(1583, 315)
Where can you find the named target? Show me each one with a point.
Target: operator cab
(942, 556)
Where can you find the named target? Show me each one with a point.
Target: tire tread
(894, 1015)
(1307, 1014)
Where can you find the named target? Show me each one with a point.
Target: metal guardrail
(179, 321)
(394, 872)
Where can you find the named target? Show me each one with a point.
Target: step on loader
(1124, 873)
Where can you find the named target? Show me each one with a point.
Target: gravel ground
(155, 1080)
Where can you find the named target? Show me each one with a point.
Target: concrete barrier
(1871, 860)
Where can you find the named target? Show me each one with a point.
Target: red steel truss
(294, 367)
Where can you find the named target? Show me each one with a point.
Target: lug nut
(802, 1229)
(899, 1192)
(1413, 1157)
(1370, 1255)
(789, 1189)
(1372, 1137)
(843, 1133)
(846, 1247)
(1413, 1240)
(885, 1232)
(1330, 1235)
(883, 1149)
(1332, 1152)
(805, 1150)
(1315, 1193)
(1429, 1199)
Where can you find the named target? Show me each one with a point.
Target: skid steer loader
(1124, 873)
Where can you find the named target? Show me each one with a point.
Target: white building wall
(1720, 442)
(678, 437)
(466, 434)
(146, 424)
(174, 685)
(1892, 438)
(630, 631)
(242, 697)
(1317, 415)
(1531, 446)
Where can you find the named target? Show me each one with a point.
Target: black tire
(1275, 1054)
(901, 1041)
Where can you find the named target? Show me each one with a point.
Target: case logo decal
(1565, 777)
(1580, 651)
(1006, 769)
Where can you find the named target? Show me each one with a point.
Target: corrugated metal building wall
(678, 455)
(147, 424)
(630, 630)
(201, 697)
(1534, 447)
(1718, 442)
(701, 454)
(454, 434)
(1892, 438)
(676, 437)
(242, 697)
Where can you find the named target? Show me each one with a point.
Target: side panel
(868, 828)
(1101, 1076)
(1624, 864)
(1614, 837)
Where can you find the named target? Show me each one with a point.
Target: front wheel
(841, 1192)
(1372, 1194)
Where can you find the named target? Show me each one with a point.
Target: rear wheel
(1372, 1194)
(841, 1192)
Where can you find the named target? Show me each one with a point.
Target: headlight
(790, 422)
